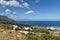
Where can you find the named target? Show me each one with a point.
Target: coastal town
(20, 32)
(28, 29)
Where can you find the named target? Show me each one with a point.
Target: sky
(31, 10)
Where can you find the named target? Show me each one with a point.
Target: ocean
(40, 23)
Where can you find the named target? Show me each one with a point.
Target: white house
(52, 28)
(27, 28)
(14, 27)
(25, 32)
(55, 33)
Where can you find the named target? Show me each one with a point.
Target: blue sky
(31, 10)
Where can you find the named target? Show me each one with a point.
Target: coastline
(40, 23)
(27, 31)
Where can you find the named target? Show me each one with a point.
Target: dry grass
(11, 35)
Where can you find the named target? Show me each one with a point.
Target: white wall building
(27, 28)
(52, 28)
(14, 27)
(25, 32)
(55, 33)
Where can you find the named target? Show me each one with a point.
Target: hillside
(5, 19)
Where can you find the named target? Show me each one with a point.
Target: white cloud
(9, 3)
(14, 3)
(21, 6)
(7, 11)
(2, 2)
(29, 12)
(26, 5)
(11, 15)
(14, 12)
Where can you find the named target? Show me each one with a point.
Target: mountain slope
(5, 19)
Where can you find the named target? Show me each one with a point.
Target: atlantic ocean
(39, 23)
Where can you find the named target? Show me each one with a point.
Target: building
(55, 33)
(25, 32)
(52, 28)
(14, 27)
(27, 28)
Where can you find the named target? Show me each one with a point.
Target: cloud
(21, 6)
(29, 12)
(26, 5)
(13, 3)
(9, 3)
(15, 12)
(37, 1)
(7, 11)
(11, 15)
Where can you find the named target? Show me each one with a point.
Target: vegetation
(30, 36)
(43, 37)
(41, 30)
(4, 25)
